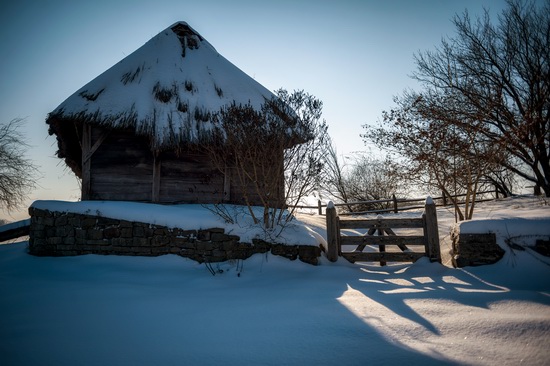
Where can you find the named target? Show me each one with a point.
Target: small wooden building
(132, 133)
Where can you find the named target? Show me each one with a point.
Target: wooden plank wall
(191, 178)
(123, 168)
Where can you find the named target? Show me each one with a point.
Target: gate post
(333, 233)
(431, 231)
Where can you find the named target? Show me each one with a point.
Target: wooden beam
(155, 194)
(96, 145)
(383, 257)
(86, 161)
(431, 231)
(333, 233)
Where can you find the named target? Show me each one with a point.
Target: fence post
(320, 207)
(394, 203)
(333, 233)
(431, 231)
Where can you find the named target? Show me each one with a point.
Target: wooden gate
(380, 234)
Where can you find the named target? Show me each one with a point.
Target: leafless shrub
(274, 155)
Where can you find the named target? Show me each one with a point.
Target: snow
(267, 310)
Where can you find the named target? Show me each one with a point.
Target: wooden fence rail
(15, 230)
(383, 227)
(395, 203)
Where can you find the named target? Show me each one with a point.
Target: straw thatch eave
(69, 131)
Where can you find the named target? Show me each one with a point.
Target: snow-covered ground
(111, 310)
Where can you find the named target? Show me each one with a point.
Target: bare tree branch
(17, 173)
(500, 72)
(276, 154)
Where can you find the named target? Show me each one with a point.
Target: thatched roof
(168, 90)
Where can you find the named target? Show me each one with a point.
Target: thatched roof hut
(128, 132)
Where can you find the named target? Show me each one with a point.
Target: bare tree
(499, 76)
(306, 159)
(362, 178)
(17, 173)
(275, 154)
(334, 176)
(443, 152)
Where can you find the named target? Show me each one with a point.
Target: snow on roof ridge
(184, 24)
(180, 22)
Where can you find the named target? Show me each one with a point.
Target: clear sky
(353, 55)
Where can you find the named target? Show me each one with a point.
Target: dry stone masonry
(475, 249)
(66, 234)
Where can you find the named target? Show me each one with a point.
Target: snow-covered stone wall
(65, 234)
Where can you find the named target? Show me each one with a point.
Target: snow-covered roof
(167, 89)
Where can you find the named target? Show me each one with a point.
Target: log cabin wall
(123, 168)
(190, 178)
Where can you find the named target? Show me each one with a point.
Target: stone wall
(475, 249)
(66, 234)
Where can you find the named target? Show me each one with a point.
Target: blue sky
(353, 55)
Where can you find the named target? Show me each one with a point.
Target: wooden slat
(127, 180)
(383, 257)
(383, 240)
(199, 195)
(123, 169)
(128, 195)
(384, 223)
(171, 167)
(122, 186)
